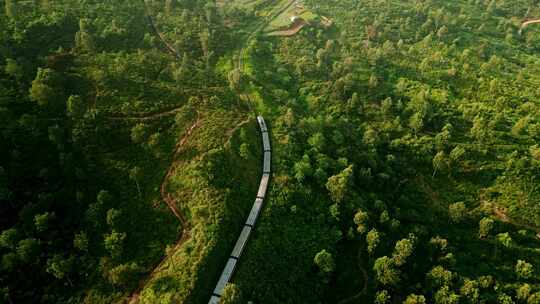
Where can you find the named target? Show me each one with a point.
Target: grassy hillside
(96, 112)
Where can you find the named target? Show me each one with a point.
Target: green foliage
(361, 220)
(386, 271)
(395, 118)
(338, 185)
(382, 297)
(438, 276)
(373, 240)
(458, 212)
(524, 270)
(231, 295)
(8, 238)
(125, 274)
(325, 261)
(46, 90)
(485, 227)
(59, 267)
(403, 249)
(415, 299)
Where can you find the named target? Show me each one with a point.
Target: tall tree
(386, 271)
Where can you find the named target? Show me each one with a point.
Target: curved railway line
(249, 225)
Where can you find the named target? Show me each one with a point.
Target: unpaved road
(171, 203)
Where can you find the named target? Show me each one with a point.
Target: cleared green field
(284, 20)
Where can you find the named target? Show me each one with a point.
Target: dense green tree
(485, 227)
(60, 267)
(231, 295)
(11, 8)
(534, 298)
(415, 299)
(43, 221)
(325, 261)
(124, 274)
(114, 243)
(445, 296)
(80, 241)
(9, 238)
(338, 185)
(382, 297)
(373, 240)
(470, 291)
(139, 133)
(46, 90)
(361, 219)
(10, 261)
(386, 271)
(504, 239)
(84, 40)
(504, 299)
(440, 162)
(13, 68)
(523, 269)
(438, 276)
(28, 250)
(135, 175)
(76, 106)
(457, 211)
(523, 292)
(402, 251)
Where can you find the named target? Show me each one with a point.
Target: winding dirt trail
(524, 24)
(364, 288)
(502, 215)
(146, 116)
(172, 204)
(167, 45)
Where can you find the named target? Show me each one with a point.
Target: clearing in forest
(293, 19)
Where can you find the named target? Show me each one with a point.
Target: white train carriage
(262, 124)
(255, 211)
(241, 242)
(225, 277)
(252, 218)
(266, 142)
(267, 162)
(263, 186)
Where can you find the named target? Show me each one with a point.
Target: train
(249, 225)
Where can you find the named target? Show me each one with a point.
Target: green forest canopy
(406, 156)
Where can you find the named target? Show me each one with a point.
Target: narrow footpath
(172, 204)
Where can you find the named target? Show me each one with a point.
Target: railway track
(249, 225)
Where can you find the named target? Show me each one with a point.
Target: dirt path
(167, 45)
(238, 126)
(146, 116)
(524, 24)
(502, 215)
(172, 204)
(364, 288)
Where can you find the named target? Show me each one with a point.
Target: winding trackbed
(249, 225)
